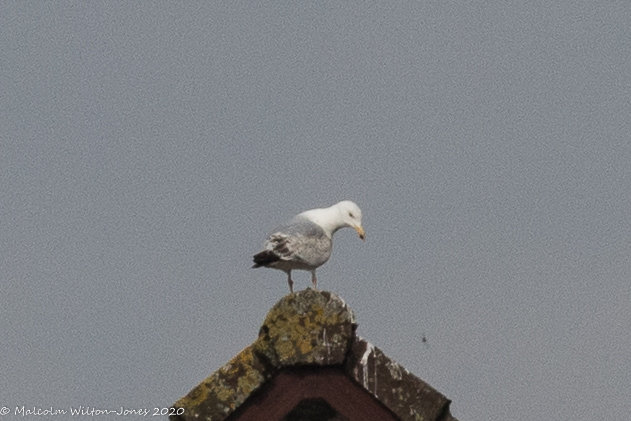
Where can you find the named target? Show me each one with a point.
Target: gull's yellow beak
(361, 232)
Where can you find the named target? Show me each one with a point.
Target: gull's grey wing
(277, 248)
(300, 244)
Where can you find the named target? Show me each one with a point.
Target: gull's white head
(350, 216)
(340, 215)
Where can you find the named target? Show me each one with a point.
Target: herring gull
(305, 242)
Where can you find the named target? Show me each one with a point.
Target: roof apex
(315, 329)
(307, 327)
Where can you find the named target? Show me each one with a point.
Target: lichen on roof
(309, 327)
(227, 388)
(401, 391)
(312, 328)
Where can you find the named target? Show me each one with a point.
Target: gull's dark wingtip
(264, 258)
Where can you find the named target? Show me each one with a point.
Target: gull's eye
(351, 214)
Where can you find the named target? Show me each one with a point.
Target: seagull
(305, 242)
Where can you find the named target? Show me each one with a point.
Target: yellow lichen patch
(223, 392)
(194, 398)
(318, 315)
(243, 358)
(305, 347)
(285, 349)
(249, 382)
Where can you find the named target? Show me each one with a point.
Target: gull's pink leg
(290, 282)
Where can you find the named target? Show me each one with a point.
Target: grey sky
(148, 148)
